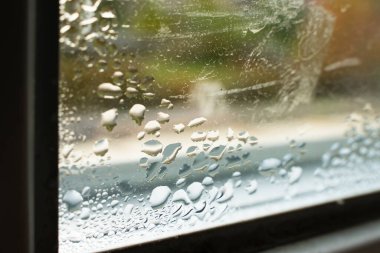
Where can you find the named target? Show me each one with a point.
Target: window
(181, 116)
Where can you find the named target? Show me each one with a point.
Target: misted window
(177, 116)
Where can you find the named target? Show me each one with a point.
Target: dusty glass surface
(178, 116)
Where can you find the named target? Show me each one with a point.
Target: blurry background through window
(181, 115)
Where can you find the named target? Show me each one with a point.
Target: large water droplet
(152, 147)
(101, 147)
(159, 196)
(170, 152)
(109, 91)
(137, 112)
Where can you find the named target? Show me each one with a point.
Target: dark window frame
(37, 98)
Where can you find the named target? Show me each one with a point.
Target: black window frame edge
(36, 173)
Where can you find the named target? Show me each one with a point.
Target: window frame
(41, 128)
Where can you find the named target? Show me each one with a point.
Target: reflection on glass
(178, 116)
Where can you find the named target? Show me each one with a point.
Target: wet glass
(179, 116)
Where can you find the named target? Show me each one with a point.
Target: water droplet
(152, 147)
(197, 122)
(181, 195)
(140, 135)
(143, 162)
(157, 134)
(252, 140)
(294, 174)
(88, 21)
(180, 182)
(213, 135)
(194, 190)
(198, 136)
(226, 192)
(114, 203)
(217, 152)
(192, 151)
(152, 127)
(179, 128)
(131, 91)
(207, 181)
(137, 112)
(206, 146)
(109, 119)
(148, 95)
(159, 196)
(269, 166)
(184, 170)
(109, 91)
(163, 117)
(230, 134)
(213, 168)
(165, 102)
(252, 187)
(200, 162)
(243, 136)
(107, 14)
(170, 152)
(236, 174)
(67, 149)
(85, 213)
(101, 147)
(86, 191)
(72, 198)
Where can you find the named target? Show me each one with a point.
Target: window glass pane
(182, 115)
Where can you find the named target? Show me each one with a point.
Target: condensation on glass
(181, 115)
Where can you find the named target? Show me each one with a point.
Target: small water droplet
(140, 135)
(85, 213)
(72, 198)
(269, 166)
(181, 195)
(109, 119)
(109, 91)
(252, 187)
(295, 174)
(243, 136)
(163, 117)
(101, 147)
(213, 135)
(226, 192)
(152, 127)
(230, 134)
(217, 152)
(194, 190)
(137, 112)
(198, 136)
(197, 122)
(207, 181)
(179, 128)
(170, 152)
(180, 182)
(192, 151)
